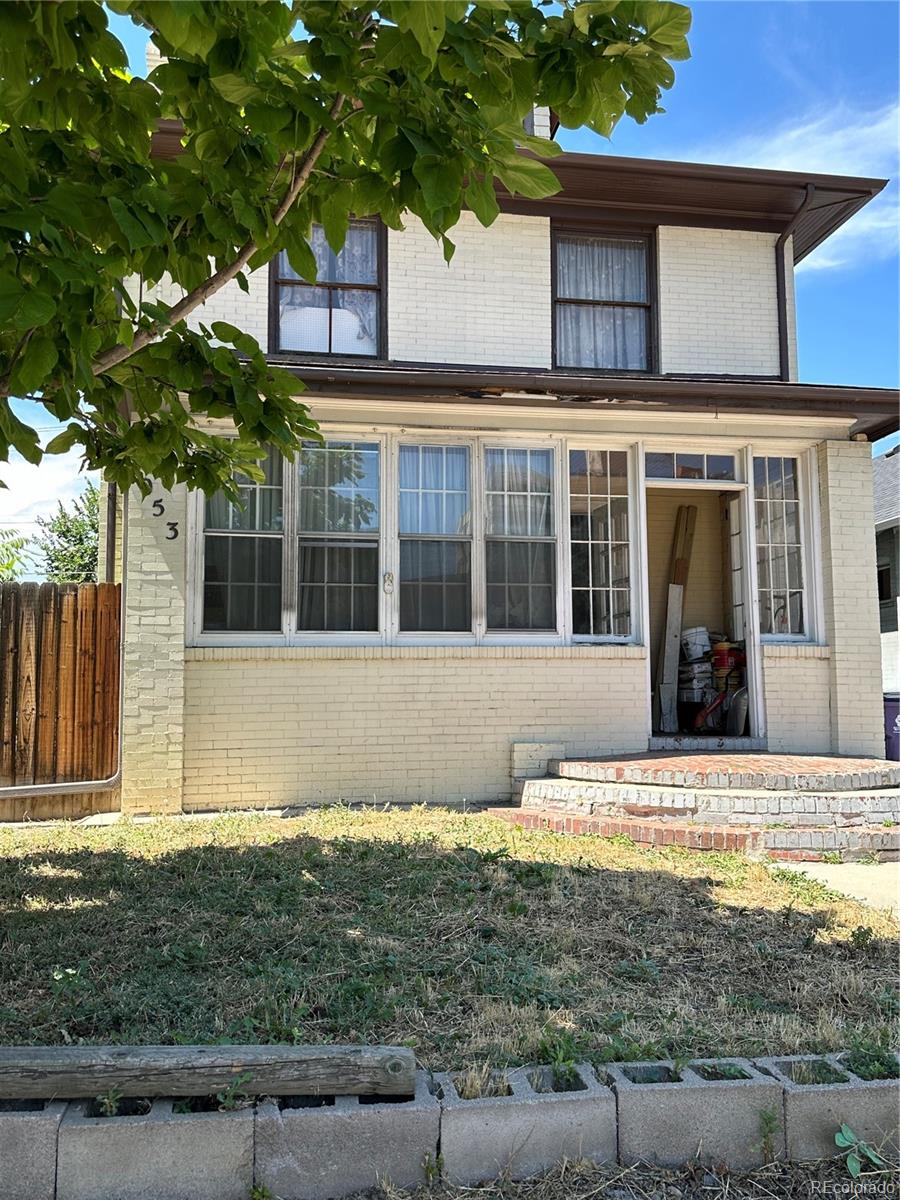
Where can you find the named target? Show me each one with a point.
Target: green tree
(293, 113)
(13, 554)
(68, 543)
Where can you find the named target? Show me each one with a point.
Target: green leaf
(300, 256)
(135, 233)
(854, 1165)
(666, 24)
(482, 199)
(441, 181)
(527, 177)
(425, 20)
(235, 88)
(71, 436)
(225, 332)
(37, 361)
(34, 309)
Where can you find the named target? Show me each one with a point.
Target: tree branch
(118, 354)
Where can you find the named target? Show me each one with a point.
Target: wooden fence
(59, 694)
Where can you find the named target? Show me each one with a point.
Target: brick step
(731, 805)
(762, 772)
(787, 845)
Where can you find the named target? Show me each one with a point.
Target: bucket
(892, 726)
(695, 642)
(722, 656)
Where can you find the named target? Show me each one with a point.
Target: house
(472, 574)
(886, 474)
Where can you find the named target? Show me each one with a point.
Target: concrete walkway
(875, 884)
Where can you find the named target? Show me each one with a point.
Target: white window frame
(389, 634)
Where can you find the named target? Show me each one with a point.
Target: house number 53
(171, 526)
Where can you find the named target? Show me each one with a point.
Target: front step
(696, 743)
(773, 772)
(729, 805)
(787, 845)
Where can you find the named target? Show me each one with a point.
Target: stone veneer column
(850, 597)
(153, 716)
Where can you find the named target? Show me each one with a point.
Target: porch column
(850, 597)
(153, 714)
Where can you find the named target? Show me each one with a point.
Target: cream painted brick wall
(851, 604)
(248, 310)
(490, 306)
(293, 727)
(796, 687)
(153, 710)
(717, 301)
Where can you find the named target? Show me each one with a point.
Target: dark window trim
(648, 234)
(379, 287)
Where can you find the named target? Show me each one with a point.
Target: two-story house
(476, 564)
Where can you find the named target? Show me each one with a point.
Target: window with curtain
(602, 307)
(779, 546)
(435, 539)
(520, 540)
(340, 312)
(600, 553)
(242, 555)
(338, 523)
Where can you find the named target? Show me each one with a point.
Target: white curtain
(607, 336)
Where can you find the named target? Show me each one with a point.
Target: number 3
(172, 527)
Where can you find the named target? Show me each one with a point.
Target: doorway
(714, 677)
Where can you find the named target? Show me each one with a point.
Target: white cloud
(831, 140)
(33, 492)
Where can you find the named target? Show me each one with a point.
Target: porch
(796, 807)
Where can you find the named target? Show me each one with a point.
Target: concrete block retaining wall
(729, 1111)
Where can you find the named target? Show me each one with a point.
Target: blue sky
(802, 84)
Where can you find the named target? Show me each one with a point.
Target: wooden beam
(74, 1072)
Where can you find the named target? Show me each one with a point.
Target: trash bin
(892, 725)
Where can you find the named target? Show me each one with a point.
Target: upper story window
(341, 313)
(602, 308)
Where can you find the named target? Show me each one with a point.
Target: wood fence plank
(26, 683)
(112, 708)
(65, 703)
(9, 629)
(45, 754)
(105, 663)
(28, 1072)
(84, 681)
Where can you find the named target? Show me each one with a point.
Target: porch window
(341, 312)
(435, 539)
(602, 302)
(671, 465)
(779, 547)
(520, 541)
(338, 551)
(242, 555)
(600, 551)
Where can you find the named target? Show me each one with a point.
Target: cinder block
(527, 1131)
(161, 1155)
(815, 1111)
(328, 1146)
(28, 1133)
(670, 1116)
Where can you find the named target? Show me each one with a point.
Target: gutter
(90, 785)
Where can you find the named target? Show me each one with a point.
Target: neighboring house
(886, 471)
(475, 566)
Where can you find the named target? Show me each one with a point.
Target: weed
(108, 1102)
(861, 937)
(481, 1083)
(433, 1167)
(856, 1152)
(233, 1096)
(872, 1062)
(259, 1191)
(769, 1128)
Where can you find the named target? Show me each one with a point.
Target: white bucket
(695, 642)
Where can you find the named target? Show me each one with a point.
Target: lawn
(456, 934)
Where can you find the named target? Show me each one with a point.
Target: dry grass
(472, 941)
(583, 1181)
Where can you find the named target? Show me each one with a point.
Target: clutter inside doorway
(712, 689)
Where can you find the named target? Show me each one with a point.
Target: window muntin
(779, 547)
(599, 543)
(338, 544)
(242, 555)
(682, 465)
(602, 302)
(435, 530)
(520, 540)
(341, 312)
